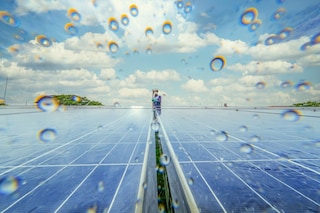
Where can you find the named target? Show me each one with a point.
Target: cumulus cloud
(154, 75)
(193, 85)
(25, 7)
(107, 74)
(134, 92)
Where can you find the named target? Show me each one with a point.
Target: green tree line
(76, 100)
(307, 104)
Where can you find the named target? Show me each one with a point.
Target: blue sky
(177, 63)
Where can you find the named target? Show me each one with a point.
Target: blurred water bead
(134, 10)
(246, 148)
(164, 159)
(70, 28)
(249, 16)
(306, 46)
(46, 103)
(155, 125)
(286, 84)
(315, 39)
(167, 27)
(74, 15)
(43, 40)
(255, 25)
(124, 19)
(255, 138)
(217, 63)
(190, 181)
(279, 13)
(261, 85)
(9, 19)
(13, 49)
(149, 50)
(256, 116)
(47, 135)
(148, 31)
(179, 4)
(273, 39)
(222, 136)
(116, 104)
(100, 186)
(19, 37)
(285, 33)
(212, 132)
(76, 98)
(99, 45)
(303, 86)
(291, 115)
(243, 128)
(113, 24)
(113, 46)
(188, 7)
(9, 184)
(175, 203)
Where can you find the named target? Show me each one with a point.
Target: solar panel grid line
(254, 191)
(96, 166)
(124, 173)
(204, 180)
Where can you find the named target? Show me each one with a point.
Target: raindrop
(255, 25)
(149, 50)
(113, 46)
(222, 136)
(243, 128)
(46, 103)
(9, 19)
(164, 159)
(175, 203)
(74, 15)
(145, 185)
(188, 7)
(278, 14)
(124, 19)
(116, 104)
(161, 169)
(13, 49)
(256, 116)
(47, 135)
(161, 208)
(249, 16)
(43, 40)
(100, 186)
(212, 132)
(303, 86)
(261, 85)
(291, 115)
(285, 33)
(306, 46)
(179, 4)
(148, 31)
(217, 63)
(155, 125)
(113, 24)
(190, 181)
(134, 10)
(273, 39)
(167, 27)
(286, 84)
(76, 98)
(246, 148)
(315, 39)
(255, 138)
(70, 28)
(9, 185)
(19, 37)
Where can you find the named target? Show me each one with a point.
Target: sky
(197, 53)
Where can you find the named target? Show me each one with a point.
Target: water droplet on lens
(43, 40)
(179, 4)
(243, 128)
(246, 148)
(278, 14)
(249, 16)
(9, 185)
(261, 85)
(190, 181)
(255, 25)
(256, 116)
(155, 125)
(303, 86)
(175, 203)
(124, 19)
(285, 33)
(315, 39)
(188, 7)
(113, 24)
(222, 136)
(167, 27)
(116, 104)
(113, 46)
(47, 135)
(212, 132)
(161, 169)
(9, 19)
(291, 115)
(46, 103)
(74, 15)
(164, 159)
(100, 186)
(217, 63)
(134, 10)
(255, 138)
(286, 84)
(306, 46)
(70, 28)
(148, 31)
(149, 50)
(76, 98)
(273, 39)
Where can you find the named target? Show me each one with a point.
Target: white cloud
(193, 85)
(266, 68)
(107, 74)
(153, 75)
(134, 93)
(36, 6)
